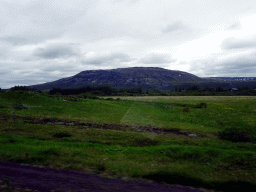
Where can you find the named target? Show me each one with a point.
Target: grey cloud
(15, 77)
(28, 38)
(56, 51)
(59, 67)
(32, 77)
(130, 1)
(107, 59)
(37, 21)
(243, 65)
(235, 26)
(156, 58)
(174, 27)
(233, 43)
(4, 50)
(15, 40)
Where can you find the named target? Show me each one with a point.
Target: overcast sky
(45, 40)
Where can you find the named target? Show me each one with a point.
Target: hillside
(144, 77)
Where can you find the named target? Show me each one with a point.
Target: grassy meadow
(211, 143)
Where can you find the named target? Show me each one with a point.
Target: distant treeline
(24, 88)
(138, 91)
(101, 90)
(192, 90)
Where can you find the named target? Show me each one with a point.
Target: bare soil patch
(120, 127)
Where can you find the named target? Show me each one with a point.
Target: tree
(219, 89)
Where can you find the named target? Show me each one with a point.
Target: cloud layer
(43, 40)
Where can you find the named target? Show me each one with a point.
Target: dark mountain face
(144, 77)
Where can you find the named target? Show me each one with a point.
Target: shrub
(110, 99)
(185, 109)
(235, 134)
(100, 166)
(88, 95)
(201, 105)
(143, 142)
(62, 134)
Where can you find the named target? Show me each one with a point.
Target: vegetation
(211, 145)
(186, 90)
(192, 90)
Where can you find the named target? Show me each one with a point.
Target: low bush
(236, 134)
(175, 177)
(62, 134)
(185, 109)
(110, 99)
(201, 105)
(88, 95)
(143, 142)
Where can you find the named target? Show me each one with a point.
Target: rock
(192, 135)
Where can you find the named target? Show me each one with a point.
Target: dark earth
(101, 125)
(46, 179)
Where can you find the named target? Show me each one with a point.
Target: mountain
(144, 77)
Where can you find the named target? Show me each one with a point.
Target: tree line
(100, 90)
(192, 90)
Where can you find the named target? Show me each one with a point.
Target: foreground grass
(204, 161)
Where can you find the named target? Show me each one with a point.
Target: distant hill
(235, 78)
(144, 77)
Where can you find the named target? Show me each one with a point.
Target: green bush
(110, 99)
(201, 105)
(143, 142)
(185, 109)
(235, 134)
(88, 95)
(62, 134)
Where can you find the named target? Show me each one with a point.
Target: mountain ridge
(144, 77)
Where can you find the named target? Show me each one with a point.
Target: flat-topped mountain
(144, 77)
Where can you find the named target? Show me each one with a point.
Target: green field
(211, 143)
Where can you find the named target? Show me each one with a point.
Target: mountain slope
(144, 77)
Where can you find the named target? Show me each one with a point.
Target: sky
(46, 40)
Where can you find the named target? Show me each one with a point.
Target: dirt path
(45, 179)
(101, 125)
